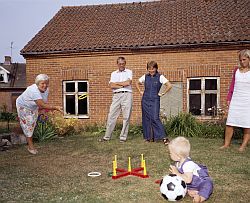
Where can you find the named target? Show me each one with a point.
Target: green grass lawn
(59, 172)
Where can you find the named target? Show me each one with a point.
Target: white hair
(41, 77)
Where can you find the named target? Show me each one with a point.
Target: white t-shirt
(191, 167)
(163, 80)
(121, 76)
(30, 95)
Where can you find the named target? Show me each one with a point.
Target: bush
(212, 130)
(44, 129)
(96, 129)
(64, 126)
(184, 124)
(135, 130)
(7, 116)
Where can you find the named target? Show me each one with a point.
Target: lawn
(59, 172)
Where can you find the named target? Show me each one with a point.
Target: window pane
(211, 84)
(83, 106)
(70, 104)
(210, 104)
(1, 77)
(195, 84)
(195, 104)
(82, 86)
(70, 87)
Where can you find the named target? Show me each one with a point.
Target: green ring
(110, 174)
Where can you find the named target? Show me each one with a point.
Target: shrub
(44, 129)
(212, 130)
(96, 129)
(135, 130)
(64, 126)
(7, 116)
(183, 124)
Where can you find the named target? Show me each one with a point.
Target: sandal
(33, 151)
(166, 141)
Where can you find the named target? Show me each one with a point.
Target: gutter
(134, 48)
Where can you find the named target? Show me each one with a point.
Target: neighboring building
(195, 43)
(12, 82)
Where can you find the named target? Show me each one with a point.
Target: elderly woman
(33, 98)
(238, 100)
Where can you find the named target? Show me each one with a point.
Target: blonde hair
(41, 77)
(244, 53)
(180, 146)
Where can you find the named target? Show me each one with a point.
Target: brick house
(195, 43)
(12, 82)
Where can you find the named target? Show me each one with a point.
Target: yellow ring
(83, 96)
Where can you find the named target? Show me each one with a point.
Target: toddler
(200, 185)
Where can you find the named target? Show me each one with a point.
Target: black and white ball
(173, 187)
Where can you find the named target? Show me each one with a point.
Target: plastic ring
(94, 174)
(110, 174)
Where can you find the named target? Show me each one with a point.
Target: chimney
(7, 60)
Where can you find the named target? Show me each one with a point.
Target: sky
(21, 20)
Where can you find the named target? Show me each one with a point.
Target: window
(203, 96)
(75, 99)
(1, 77)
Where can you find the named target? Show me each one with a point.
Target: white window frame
(76, 94)
(203, 92)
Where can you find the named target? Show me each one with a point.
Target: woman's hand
(160, 94)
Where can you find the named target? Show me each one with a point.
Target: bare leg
(246, 139)
(192, 193)
(228, 136)
(198, 199)
(30, 142)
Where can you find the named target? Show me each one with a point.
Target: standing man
(120, 83)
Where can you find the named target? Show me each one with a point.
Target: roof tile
(143, 24)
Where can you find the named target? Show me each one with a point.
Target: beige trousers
(120, 102)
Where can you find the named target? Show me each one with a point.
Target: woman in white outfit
(28, 103)
(239, 101)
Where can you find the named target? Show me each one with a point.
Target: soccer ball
(173, 187)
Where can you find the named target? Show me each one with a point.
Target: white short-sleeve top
(30, 95)
(163, 80)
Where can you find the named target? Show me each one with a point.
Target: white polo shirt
(121, 76)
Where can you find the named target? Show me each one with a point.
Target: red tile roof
(166, 23)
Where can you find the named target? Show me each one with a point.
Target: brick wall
(176, 66)
(5, 100)
(8, 98)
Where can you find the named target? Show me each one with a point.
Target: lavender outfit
(201, 180)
